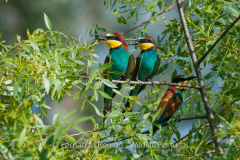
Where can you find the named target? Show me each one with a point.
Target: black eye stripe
(114, 38)
(146, 40)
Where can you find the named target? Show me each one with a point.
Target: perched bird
(122, 62)
(171, 102)
(147, 64)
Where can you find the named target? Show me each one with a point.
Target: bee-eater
(171, 102)
(147, 64)
(122, 62)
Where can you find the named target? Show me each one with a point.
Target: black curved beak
(134, 43)
(190, 77)
(97, 37)
(132, 39)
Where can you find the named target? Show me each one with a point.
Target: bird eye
(113, 37)
(145, 40)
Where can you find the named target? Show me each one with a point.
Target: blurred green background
(16, 16)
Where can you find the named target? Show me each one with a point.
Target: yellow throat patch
(183, 88)
(113, 43)
(145, 46)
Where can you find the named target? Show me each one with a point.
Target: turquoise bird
(171, 102)
(147, 64)
(122, 62)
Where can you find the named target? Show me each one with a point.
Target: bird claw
(140, 82)
(151, 81)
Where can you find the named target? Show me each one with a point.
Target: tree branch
(3, 155)
(221, 45)
(149, 83)
(141, 83)
(200, 79)
(152, 18)
(206, 122)
(178, 119)
(235, 2)
(210, 142)
(212, 151)
(216, 42)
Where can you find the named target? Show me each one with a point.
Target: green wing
(153, 73)
(107, 60)
(137, 67)
(131, 66)
(108, 90)
(156, 67)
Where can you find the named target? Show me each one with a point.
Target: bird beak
(190, 77)
(97, 37)
(134, 43)
(133, 39)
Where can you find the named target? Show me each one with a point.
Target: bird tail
(107, 102)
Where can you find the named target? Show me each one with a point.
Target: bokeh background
(16, 16)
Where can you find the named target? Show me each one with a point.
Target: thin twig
(178, 119)
(210, 142)
(3, 155)
(143, 82)
(216, 42)
(77, 134)
(151, 18)
(200, 79)
(149, 83)
(206, 122)
(212, 151)
(236, 3)
(221, 45)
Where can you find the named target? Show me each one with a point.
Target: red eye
(113, 37)
(145, 40)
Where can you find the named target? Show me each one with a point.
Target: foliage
(48, 62)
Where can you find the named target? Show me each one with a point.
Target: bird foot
(140, 82)
(151, 81)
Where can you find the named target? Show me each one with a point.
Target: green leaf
(108, 83)
(79, 120)
(224, 120)
(26, 47)
(105, 66)
(162, 68)
(35, 47)
(43, 155)
(18, 38)
(96, 110)
(15, 90)
(231, 10)
(22, 137)
(98, 85)
(45, 106)
(101, 29)
(117, 92)
(70, 138)
(39, 121)
(105, 95)
(174, 73)
(84, 104)
(47, 22)
(68, 115)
